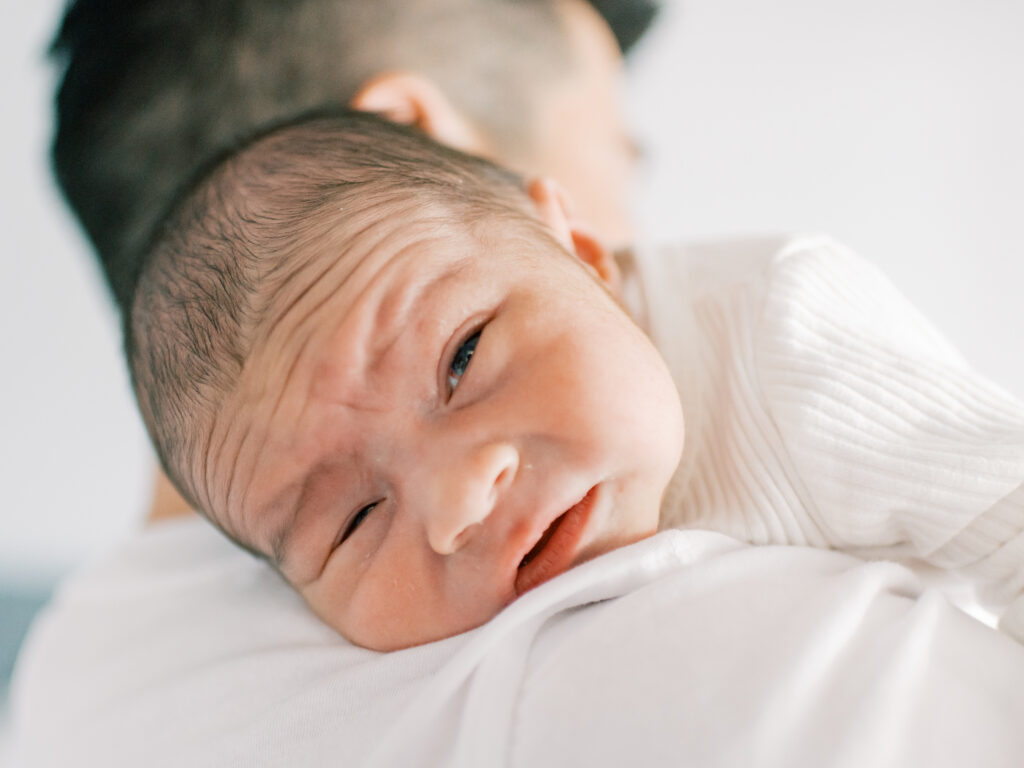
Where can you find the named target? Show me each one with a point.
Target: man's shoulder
(173, 603)
(175, 555)
(153, 584)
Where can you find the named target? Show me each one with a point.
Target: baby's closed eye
(356, 520)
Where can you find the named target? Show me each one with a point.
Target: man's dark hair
(153, 88)
(249, 226)
(628, 19)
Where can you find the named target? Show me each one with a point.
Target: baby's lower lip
(557, 554)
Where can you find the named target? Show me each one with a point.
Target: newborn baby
(412, 386)
(398, 376)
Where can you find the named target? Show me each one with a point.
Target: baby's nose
(469, 492)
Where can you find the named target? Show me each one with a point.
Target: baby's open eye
(460, 361)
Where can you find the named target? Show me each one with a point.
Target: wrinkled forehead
(338, 243)
(347, 247)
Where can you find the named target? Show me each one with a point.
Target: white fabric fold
(686, 648)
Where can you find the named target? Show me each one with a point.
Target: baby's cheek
(391, 611)
(390, 608)
(330, 602)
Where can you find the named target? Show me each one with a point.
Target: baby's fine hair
(245, 228)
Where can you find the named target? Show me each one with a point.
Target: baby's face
(435, 422)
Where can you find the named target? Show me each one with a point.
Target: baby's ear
(554, 209)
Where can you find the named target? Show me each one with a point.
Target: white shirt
(183, 650)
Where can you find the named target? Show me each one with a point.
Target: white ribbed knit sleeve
(822, 409)
(902, 450)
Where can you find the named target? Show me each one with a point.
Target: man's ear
(554, 209)
(411, 99)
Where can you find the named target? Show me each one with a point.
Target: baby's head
(399, 376)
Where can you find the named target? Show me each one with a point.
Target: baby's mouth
(556, 548)
(542, 542)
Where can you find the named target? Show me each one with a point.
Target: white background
(896, 126)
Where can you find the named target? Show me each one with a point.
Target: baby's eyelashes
(355, 522)
(460, 361)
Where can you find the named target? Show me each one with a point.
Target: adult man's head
(153, 89)
(399, 376)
